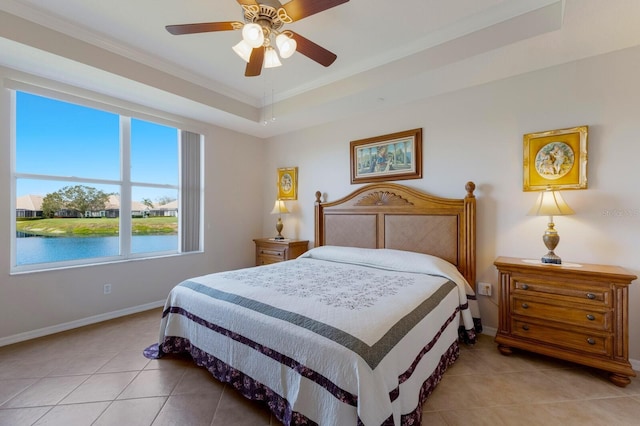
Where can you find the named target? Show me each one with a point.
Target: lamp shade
(287, 46)
(550, 203)
(243, 50)
(279, 208)
(253, 35)
(271, 59)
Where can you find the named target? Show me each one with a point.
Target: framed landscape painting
(555, 159)
(396, 156)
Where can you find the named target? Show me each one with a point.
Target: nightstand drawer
(581, 294)
(267, 259)
(585, 342)
(582, 317)
(274, 252)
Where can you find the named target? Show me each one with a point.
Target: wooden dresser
(576, 312)
(269, 250)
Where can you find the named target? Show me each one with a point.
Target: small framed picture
(288, 183)
(555, 159)
(396, 156)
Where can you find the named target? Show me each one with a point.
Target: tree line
(82, 198)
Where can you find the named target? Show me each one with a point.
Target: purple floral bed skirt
(279, 406)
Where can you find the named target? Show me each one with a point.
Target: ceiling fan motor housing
(268, 17)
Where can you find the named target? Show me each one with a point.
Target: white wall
(476, 134)
(32, 304)
(472, 134)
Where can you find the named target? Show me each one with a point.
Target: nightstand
(576, 312)
(269, 250)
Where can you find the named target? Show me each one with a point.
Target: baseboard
(16, 338)
(489, 331)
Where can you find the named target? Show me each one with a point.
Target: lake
(33, 250)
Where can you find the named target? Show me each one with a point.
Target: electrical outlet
(107, 289)
(484, 289)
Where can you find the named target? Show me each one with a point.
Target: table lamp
(279, 208)
(550, 203)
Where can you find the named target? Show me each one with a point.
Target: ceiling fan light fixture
(263, 40)
(243, 50)
(253, 35)
(271, 59)
(286, 45)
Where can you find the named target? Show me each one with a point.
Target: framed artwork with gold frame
(288, 183)
(555, 159)
(396, 156)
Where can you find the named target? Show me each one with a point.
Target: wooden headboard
(388, 215)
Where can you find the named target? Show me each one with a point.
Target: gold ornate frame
(555, 159)
(396, 156)
(287, 183)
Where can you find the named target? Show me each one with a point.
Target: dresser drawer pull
(525, 306)
(525, 287)
(591, 341)
(525, 327)
(590, 317)
(591, 296)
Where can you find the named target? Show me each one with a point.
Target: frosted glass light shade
(287, 46)
(243, 50)
(252, 34)
(271, 59)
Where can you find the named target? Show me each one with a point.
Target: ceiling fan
(263, 20)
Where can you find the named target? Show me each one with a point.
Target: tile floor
(96, 375)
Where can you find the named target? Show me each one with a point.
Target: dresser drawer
(595, 343)
(596, 295)
(551, 310)
(268, 258)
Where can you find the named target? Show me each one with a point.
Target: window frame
(124, 182)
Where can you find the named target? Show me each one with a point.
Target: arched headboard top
(389, 215)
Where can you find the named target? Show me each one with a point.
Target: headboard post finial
(470, 187)
(318, 197)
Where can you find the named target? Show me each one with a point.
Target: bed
(358, 330)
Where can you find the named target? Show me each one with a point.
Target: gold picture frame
(555, 159)
(396, 156)
(288, 183)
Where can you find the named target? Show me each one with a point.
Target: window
(93, 185)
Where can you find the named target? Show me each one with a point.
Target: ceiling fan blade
(298, 9)
(254, 67)
(204, 27)
(247, 2)
(312, 50)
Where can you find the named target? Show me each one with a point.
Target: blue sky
(62, 139)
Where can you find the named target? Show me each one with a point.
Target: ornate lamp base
(551, 240)
(279, 227)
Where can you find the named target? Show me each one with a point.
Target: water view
(33, 250)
